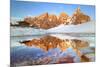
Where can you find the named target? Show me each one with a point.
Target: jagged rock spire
(78, 9)
(79, 17)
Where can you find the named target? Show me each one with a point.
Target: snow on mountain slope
(88, 27)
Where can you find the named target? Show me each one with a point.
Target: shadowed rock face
(49, 42)
(47, 21)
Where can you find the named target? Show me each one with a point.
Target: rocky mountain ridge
(47, 21)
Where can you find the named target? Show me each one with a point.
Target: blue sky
(21, 9)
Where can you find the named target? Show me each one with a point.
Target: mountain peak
(47, 21)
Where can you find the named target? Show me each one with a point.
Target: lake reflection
(25, 55)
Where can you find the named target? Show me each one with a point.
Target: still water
(24, 55)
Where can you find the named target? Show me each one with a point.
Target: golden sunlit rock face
(79, 17)
(49, 42)
(63, 18)
(46, 21)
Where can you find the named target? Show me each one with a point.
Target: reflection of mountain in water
(36, 56)
(33, 56)
(50, 42)
(25, 55)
